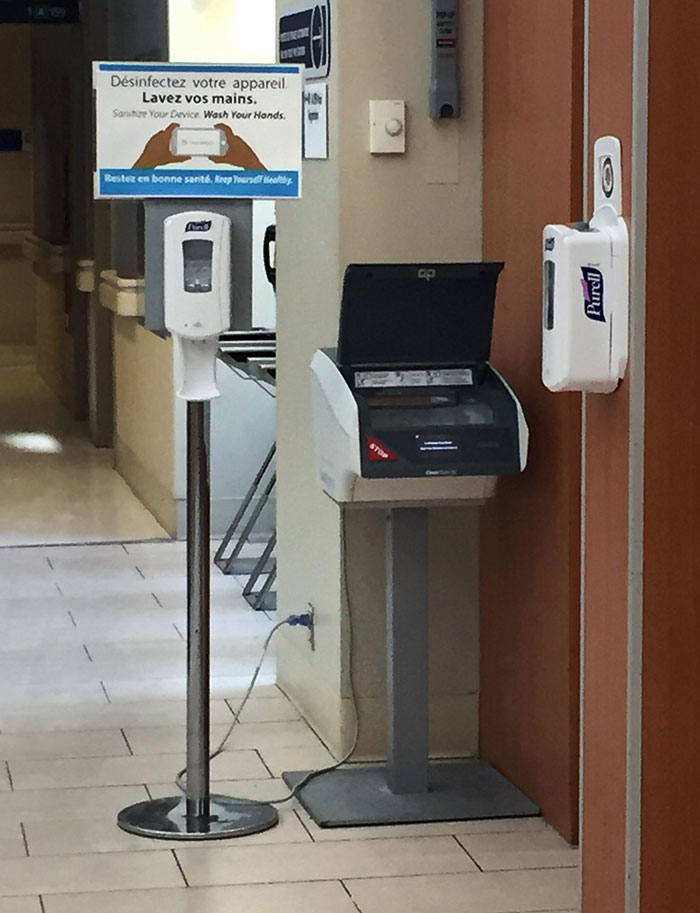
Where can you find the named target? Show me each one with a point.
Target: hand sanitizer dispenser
(586, 289)
(197, 296)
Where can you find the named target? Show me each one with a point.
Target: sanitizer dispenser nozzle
(197, 296)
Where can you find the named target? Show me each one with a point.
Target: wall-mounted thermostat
(387, 127)
(586, 289)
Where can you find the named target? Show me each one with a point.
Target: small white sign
(198, 130)
(445, 377)
(316, 121)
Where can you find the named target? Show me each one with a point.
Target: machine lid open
(417, 314)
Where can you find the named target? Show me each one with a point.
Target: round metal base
(166, 819)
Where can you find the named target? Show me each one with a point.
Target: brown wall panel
(671, 684)
(607, 483)
(531, 533)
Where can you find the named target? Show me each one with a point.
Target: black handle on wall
(270, 240)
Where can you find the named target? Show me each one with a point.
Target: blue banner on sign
(128, 182)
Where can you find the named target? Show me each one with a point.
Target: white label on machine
(445, 377)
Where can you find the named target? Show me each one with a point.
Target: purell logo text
(198, 226)
(593, 293)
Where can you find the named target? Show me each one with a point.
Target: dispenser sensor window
(549, 273)
(199, 260)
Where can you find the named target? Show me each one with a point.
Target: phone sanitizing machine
(197, 308)
(408, 413)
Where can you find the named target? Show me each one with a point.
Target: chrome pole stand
(197, 815)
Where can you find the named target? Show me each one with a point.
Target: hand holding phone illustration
(239, 153)
(157, 150)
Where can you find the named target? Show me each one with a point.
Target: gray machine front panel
(240, 212)
(463, 430)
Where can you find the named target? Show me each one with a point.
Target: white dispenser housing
(197, 296)
(586, 289)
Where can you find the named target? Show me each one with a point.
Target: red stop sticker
(378, 452)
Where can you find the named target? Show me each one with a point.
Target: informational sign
(206, 131)
(316, 121)
(305, 38)
(58, 12)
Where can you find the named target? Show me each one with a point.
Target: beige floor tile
(280, 760)
(30, 561)
(72, 804)
(62, 556)
(37, 608)
(13, 586)
(88, 744)
(5, 784)
(88, 716)
(266, 790)
(318, 897)
(18, 636)
(163, 665)
(133, 627)
(91, 607)
(70, 838)
(323, 861)
(124, 771)
(274, 710)
(491, 892)
(36, 694)
(294, 734)
(173, 689)
(93, 564)
(101, 872)
(20, 905)
(12, 842)
(147, 653)
(541, 850)
(63, 663)
(118, 585)
(506, 826)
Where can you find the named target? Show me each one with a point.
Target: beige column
(421, 206)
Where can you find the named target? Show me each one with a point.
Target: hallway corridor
(55, 487)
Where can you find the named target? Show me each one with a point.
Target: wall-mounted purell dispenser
(586, 289)
(197, 296)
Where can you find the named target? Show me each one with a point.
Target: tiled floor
(91, 720)
(54, 485)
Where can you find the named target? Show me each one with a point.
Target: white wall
(243, 419)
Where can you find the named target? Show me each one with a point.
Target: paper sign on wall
(316, 121)
(205, 131)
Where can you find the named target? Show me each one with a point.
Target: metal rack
(252, 354)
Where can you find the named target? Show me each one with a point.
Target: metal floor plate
(166, 819)
(358, 796)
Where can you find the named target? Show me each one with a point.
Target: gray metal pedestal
(358, 796)
(197, 815)
(408, 788)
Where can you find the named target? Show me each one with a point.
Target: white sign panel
(316, 121)
(205, 131)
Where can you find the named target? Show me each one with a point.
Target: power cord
(307, 622)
